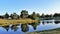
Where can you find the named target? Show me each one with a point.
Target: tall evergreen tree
(6, 15)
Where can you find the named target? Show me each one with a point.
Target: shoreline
(4, 22)
(51, 31)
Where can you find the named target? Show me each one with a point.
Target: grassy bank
(52, 31)
(4, 22)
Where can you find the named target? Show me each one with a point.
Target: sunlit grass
(4, 22)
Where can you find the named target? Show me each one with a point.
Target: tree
(24, 14)
(38, 15)
(56, 15)
(15, 16)
(11, 16)
(34, 16)
(48, 15)
(1, 17)
(42, 16)
(6, 15)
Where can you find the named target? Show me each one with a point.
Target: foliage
(6, 15)
(56, 15)
(11, 16)
(34, 16)
(42, 16)
(24, 14)
(38, 15)
(14, 16)
(48, 15)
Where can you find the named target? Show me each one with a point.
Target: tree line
(51, 15)
(24, 14)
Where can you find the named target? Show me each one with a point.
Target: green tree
(38, 15)
(34, 16)
(56, 15)
(48, 16)
(24, 14)
(11, 16)
(42, 16)
(6, 15)
(15, 16)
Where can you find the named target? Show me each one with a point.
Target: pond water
(24, 28)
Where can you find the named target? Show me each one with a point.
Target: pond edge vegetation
(14, 18)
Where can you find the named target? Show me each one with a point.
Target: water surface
(24, 28)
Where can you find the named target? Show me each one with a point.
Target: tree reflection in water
(14, 27)
(34, 25)
(24, 27)
(6, 27)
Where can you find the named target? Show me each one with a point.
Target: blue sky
(39, 6)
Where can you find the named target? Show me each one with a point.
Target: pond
(25, 28)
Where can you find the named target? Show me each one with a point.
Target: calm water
(24, 28)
